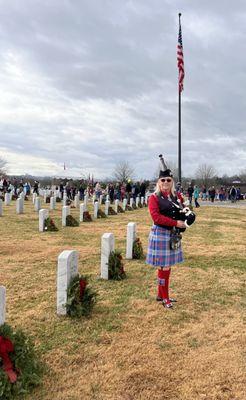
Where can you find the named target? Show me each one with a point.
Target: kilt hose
(163, 283)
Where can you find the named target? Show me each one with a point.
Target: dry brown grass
(132, 348)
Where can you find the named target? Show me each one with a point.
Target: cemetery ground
(131, 347)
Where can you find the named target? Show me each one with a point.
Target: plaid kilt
(159, 253)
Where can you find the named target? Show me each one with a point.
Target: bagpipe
(183, 214)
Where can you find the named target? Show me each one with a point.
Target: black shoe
(158, 298)
(173, 300)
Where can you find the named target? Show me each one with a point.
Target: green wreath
(137, 250)
(25, 364)
(115, 266)
(111, 211)
(120, 209)
(71, 221)
(49, 225)
(101, 214)
(80, 298)
(87, 216)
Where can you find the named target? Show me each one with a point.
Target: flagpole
(179, 139)
(179, 122)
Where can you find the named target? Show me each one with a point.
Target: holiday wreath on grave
(47, 201)
(111, 211)
(71, 221)
(140, 205)
(49, 225)
(134, 207)
(137, 250)
(115, 266)
(128, 208)
(101, 214)
(20, 369)
(87, 216)
(80, 297)
(120, 209)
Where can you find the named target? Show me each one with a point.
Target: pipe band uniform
(170, 218)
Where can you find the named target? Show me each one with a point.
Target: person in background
(128, 190)
(196, 196)
(190, 191)
(212, 193)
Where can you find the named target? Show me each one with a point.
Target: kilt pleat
(159, 253)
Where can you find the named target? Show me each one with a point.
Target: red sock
(163, 283)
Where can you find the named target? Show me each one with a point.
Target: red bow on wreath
(82, 285)
(6, 346)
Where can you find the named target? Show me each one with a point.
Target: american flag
(180, 59)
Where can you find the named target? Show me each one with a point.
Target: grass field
(132, 348)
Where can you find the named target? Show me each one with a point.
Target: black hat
(164, 171)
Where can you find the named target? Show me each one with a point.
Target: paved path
(227, 204)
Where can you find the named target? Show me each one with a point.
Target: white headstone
(20, 206)
(65, 213)
(66, 270)
(34, 195)
(96, 209)
(43, 214)
(131, 201)
(142, 200)
(52, 203)
(131, 236)
(124, 203)
(107, 245)
(85, 202)
(7, 199)
(116, 203)
(1, 208)
(64, 199)
(93, 198)
(146, 199)
(100, 199)
(2, 304)
(107, 204)
(37, 204)
(76, 201)
(137, 201)
(81, 212)
(107, 197)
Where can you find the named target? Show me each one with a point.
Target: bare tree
(123, 171)
(205, 173)
(242, 175)
(3, 164)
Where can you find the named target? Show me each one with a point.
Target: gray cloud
(94, 82)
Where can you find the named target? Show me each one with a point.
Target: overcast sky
(94, 82)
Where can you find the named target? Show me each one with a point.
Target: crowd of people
(211, 194)
(113, 190)
(120, 190)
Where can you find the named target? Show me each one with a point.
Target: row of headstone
(68, 264)
(2, 304)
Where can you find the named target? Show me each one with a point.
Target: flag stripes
(180, 59)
